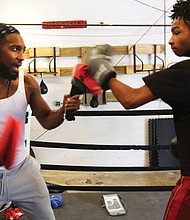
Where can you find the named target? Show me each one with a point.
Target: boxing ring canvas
(87, 205)
(140, 205)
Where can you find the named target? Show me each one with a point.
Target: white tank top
(16, 106)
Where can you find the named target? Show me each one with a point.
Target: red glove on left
(9, 141)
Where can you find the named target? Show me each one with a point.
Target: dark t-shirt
(172, 85)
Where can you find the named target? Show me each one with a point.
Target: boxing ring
(160, 133)
(145, 189)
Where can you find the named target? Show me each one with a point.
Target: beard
(6, 73)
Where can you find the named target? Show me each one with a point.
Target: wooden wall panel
(44, 52)
(84, 52)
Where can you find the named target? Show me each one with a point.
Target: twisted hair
(181, 9)
(6, 29)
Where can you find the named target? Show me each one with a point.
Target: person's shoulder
(182, 64)
(28, 76)
(29, 80)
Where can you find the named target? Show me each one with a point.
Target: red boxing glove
(9, 141)
(84, 81)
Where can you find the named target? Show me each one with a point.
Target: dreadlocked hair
(181, 9)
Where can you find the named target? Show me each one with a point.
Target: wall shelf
(51, 52)
(83, 53)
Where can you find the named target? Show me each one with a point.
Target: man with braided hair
(23, 183)
(172, 85)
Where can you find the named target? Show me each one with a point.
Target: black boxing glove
(100, 65)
